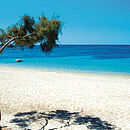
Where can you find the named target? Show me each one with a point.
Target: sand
(33, 90)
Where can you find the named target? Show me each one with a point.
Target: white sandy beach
(98, 95)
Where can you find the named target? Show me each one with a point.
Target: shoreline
(67, 71)
(98, 95)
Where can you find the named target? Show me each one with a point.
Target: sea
(104, 59)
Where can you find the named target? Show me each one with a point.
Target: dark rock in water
(18, 60)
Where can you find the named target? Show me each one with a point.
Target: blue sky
(85, 21)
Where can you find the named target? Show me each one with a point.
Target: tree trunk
(6, 44)
(12, 39)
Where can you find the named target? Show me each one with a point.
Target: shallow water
(75, 58)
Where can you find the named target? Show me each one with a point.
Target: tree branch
(6, 44)
(12, 39)
(28, 35)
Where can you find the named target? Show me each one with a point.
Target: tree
(27, 32)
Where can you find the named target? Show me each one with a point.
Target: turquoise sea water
(75, 58)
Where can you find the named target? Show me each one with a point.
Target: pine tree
(27, 32)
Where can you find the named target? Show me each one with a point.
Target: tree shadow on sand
(65, 118)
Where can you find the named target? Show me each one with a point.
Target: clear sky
(85, 21)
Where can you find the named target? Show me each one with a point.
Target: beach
(105, 96)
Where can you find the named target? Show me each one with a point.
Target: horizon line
(94, 44)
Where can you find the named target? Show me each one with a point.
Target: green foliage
(47, 32)
(28, 23)
(3, 36)
(29, 33)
